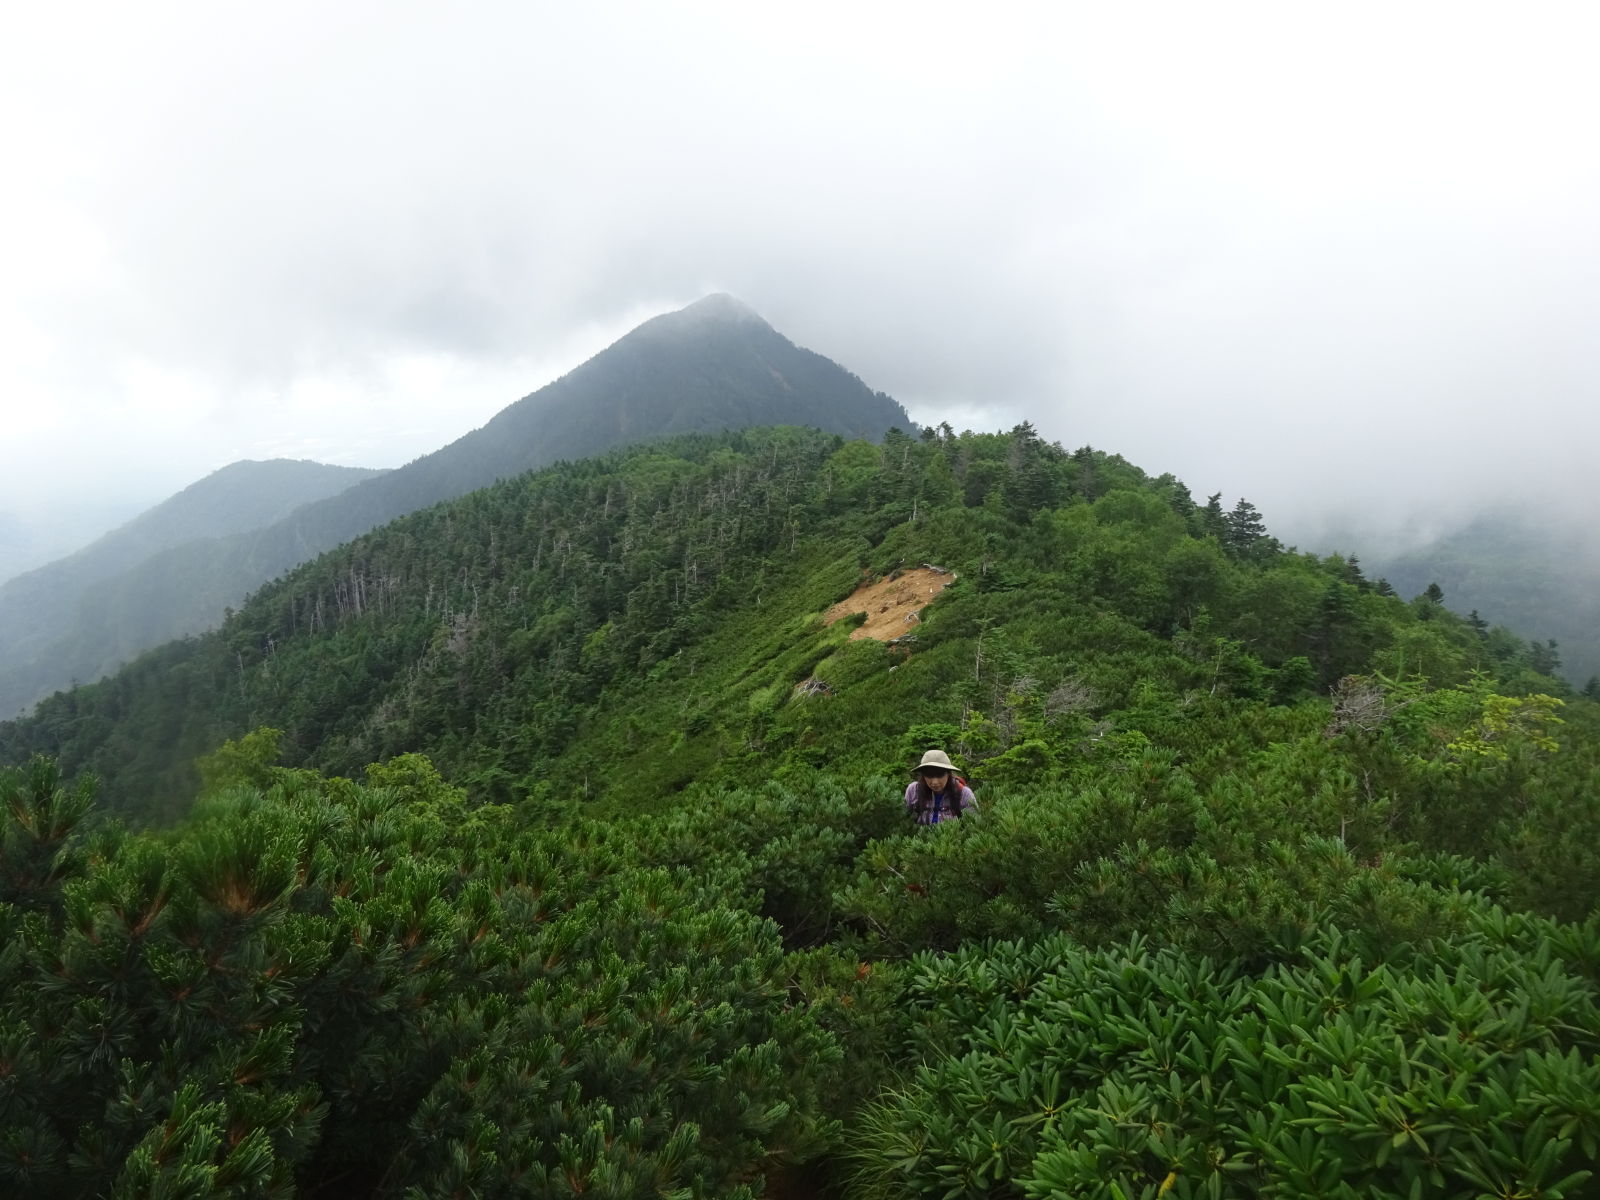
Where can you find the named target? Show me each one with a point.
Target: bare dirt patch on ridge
(894, 605)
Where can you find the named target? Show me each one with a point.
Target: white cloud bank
(1342, 261)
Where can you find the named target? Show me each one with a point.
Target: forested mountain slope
(1279, 885)
(72, 619)
(714, 365)
(683, 583)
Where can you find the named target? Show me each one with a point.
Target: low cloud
(1346, 268)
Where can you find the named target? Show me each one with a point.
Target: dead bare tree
(1359, 703)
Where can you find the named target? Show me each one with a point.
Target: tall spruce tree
(1244, 531)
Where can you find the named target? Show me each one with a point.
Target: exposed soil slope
(892, 605)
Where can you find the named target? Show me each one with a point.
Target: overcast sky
(1337, 258)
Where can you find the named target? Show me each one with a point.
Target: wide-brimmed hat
(934, 760)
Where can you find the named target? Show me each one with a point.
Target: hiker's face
(936, 779)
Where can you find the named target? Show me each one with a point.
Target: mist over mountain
(15, 545)
(239, 497)
(711, 366)
(1533, 572)
(1529, 566)
(37, 536)
(565, 835)
(82, 615)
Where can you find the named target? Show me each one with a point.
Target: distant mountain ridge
(241, 496)
(56, 616)
(31, 538)
(712, 366)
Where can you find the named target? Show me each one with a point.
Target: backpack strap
(926, 805)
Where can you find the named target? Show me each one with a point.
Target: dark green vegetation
(81, 616)
(712, 366)
(1281, 886)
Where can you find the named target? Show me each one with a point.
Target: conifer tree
(1544, 657)
(1211, 520)
(1353, 575)
(1244, 529)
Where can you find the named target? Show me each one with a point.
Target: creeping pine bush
(781, 849)
(1223, 873)
(381, 990)
(1459, 1069)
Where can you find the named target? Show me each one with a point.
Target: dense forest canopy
(549, 842)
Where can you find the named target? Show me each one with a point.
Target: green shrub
(853, 662)
(385, 989)
(1463, 1068)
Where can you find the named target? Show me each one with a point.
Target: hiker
(938, 793)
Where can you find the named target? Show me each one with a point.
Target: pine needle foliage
(380, 990)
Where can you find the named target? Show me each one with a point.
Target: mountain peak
(721, 306)
(718, 310)
(714, 365)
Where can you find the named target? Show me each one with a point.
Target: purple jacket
(941, 808)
